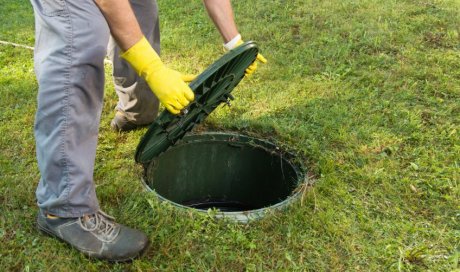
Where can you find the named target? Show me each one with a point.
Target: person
(72, 39)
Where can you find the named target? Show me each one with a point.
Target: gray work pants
(70, 47)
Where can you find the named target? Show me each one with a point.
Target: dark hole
(229, 174)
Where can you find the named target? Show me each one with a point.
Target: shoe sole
(49, 233)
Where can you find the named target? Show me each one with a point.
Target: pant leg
(71, 43)
(135, 99)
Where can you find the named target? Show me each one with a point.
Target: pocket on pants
(53, 7)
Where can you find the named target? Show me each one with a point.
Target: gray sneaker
(96, 236)
(121, 123)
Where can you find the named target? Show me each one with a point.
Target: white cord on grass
(106, 61)
(16, 45)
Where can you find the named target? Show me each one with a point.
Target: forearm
(221, 13)
(122, 22)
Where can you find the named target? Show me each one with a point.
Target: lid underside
(211, 88)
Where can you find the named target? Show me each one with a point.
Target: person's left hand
(252, 68)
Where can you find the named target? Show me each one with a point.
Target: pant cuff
(72, 213)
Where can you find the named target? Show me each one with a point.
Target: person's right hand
(167, 84)
(170, 88)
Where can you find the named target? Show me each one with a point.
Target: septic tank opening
(239, 175)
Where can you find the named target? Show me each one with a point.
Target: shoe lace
(100, 222)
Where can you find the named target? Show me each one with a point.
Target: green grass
(367, 92)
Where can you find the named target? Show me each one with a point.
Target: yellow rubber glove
(252, 68)
(167, 84)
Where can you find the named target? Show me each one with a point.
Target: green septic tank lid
(211, 88)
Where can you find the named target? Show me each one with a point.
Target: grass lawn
(367, 92)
